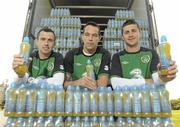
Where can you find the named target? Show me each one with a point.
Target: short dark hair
(46, 29)
(129, 22)
(92, 24)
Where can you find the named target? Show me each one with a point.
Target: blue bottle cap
(26, 39)
(163, 38)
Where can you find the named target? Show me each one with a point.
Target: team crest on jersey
(97, 62)
(50, 66)
(145, 59)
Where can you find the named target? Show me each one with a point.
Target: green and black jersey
(46, 67)
(75, 62)
(135, 65)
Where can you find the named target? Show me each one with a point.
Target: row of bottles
(124, 14)
(88, 122)
(46, 99)
(116, 33)
(61, 22)
(34, 99)
(113, 44)
(63, 32)
(60, 12)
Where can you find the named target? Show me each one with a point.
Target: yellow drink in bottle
(164, 55)
(24, 52)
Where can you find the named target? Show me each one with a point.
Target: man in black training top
(45, 63)
(136, 65)
(76, 60)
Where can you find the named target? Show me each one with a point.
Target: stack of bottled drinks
(66, 28)
(112, 34)
(49, 104)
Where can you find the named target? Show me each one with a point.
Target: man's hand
(172, 70)
(87, 82)
(17, 61)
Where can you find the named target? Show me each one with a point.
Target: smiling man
(44, 63)
(76, 60)
(137, 65)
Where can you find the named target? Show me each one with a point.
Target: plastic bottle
(103, 122)
(21, 101)
(118, 102)
(59, 122)
(41, 99)
(20, 122)
(68, 122)
(40, 122)
(94, 122)
(60, 100)
(85, 102)
(69, 101)
(138, 122)
(164, 55)
(155, 101)
(110, 121)
(127, 102)
(120, 122)
(157, 122)
(24, 52)
(77, 122)
(146, 101)
(31, 100)
(51, 100)
(30, 122)
(77, 102)
(94, 99)
(85, 122)
(49, 122)
(165, 102)
(129, 122)
(109, 102)
(168, 122)
(147, 122)
(9, 122)
(90, 69)
(136, 101)
(10, 99)
(102, 101)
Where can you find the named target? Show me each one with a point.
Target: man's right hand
(87, 82)
(17, 60)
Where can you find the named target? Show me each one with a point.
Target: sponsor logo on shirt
(124, 62)
(78, 64)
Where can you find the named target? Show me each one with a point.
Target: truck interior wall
(139, 7)
(43, 9)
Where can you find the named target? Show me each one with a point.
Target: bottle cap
(163, 38)
(26, 39)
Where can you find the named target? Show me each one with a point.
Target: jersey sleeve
(68, 62)
(105, 64)
(116, 69)
(59, 63)
(154, 62)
